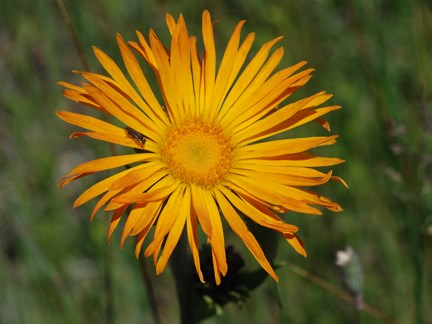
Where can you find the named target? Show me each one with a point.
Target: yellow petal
(139, 174)
(304, 117)
(105, 198)
(223, 83)
(170, 23)
(245, 79)
(121, 108)
(296, 243)
(217, 237)
(166, 82)
(285, 178)
(115, 219)
(98, 188)
(209, 63)
(175, 232)
(150, 196)
(277, 121)
(151, 107)
(238, 226)
(196, 76)
(123, 140)
(83, 98)
(198, 203)
(180, 67)
(88, 122)
(144, 224)
(269, 96)
(149, 214)
(165, 222)
(128, 192)
(132, 219)
(340, 180)
(285, 146)
(260, 216)
(101, 165)
(216, 270)
(192, 234)
(144, 49)
(302, 160)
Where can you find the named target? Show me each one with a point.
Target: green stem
(77, 43)
(338, 292)
(150, 291)
(109, 298)
(189, 301)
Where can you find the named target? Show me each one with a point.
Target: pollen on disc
(198, 152)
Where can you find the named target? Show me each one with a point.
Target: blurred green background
(374, 55)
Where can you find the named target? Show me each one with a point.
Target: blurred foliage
(374, 55)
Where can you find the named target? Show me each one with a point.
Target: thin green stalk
(77, 43)
(78, 47)
(189, 301)
(108, 286)
(150, 291)
(340, 293)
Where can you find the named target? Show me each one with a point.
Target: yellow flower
(200, 149)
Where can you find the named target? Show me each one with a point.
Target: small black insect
(135, 135)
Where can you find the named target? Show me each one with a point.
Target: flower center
(197, 152)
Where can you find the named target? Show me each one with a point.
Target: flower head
(204, 149)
